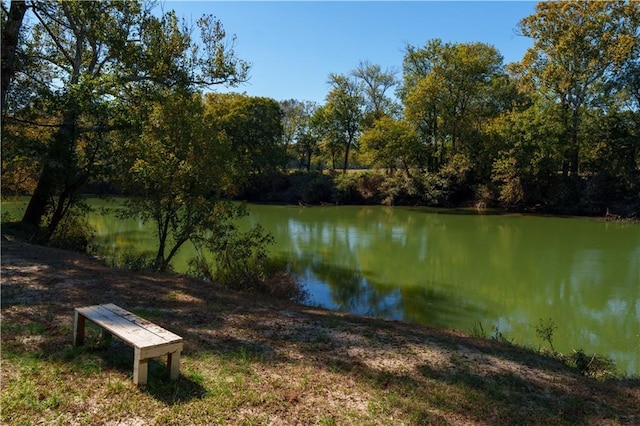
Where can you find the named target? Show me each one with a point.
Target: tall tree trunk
(59, 160)
(346, 155)
(10, 34)
(575, 148)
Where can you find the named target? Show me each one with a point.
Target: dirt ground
(39, 281)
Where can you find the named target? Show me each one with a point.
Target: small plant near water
(478, 331)
(545, 331)
(240, 258)
(592, 365)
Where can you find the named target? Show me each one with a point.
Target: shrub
(279, 282)
(545, 331)
(72, 233)
(241, 258)
(319, 189)
(267, 276)
(359, 188)
(457, 174)
(347, 188)
(398, 188)
(593, 365)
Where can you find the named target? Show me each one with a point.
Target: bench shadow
(119, 356)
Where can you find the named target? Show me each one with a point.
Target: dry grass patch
(255, 360)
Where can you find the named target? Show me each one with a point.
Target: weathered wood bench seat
(147, 339)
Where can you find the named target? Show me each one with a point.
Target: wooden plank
(147, 325)
(140, 368)
(121, 327)
(160, 350)
(78, 328)
(173, 365)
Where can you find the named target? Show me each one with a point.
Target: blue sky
(293, 46)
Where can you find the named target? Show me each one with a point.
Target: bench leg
(78, 328)
(140, 368)
(173, 365)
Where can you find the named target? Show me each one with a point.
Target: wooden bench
(147, 339)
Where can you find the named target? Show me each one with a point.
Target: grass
(252, 360)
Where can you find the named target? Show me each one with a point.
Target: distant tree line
(557, 131)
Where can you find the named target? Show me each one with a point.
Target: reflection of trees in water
(428, 305)
(453, 270)
(352, 291)
(349, 288)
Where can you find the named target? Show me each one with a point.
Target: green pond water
(450, 268)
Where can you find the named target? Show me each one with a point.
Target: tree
(253, 128)
(579, 47)
(449, 91)
(92, 56)
(325, 136)
(374, 85)
(178, 175)
(528, 154)
(343, 115)
(298, 130)
(11, 25)
(175, 172)
(292, 122)
(391, 144)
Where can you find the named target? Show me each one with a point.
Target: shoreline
(286, 363)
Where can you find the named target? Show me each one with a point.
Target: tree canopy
(110, 92)
(82, 65)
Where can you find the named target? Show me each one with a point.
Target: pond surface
(454, 269)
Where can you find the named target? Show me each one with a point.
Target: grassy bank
(254, 360)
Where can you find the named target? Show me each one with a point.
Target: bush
(399, 188)
(593, 365)
(72, 233)
(359, 188)
(241, 258)
(457, 174)
(266, 276)
(347, 188)
(280, 283)
(319, 189)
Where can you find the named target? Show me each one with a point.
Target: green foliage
(458, 177)
(359, 187)
(299, 138)
(545, 329)
(606, 36)
(87, 69)
(240, 257)
(391, 144)
(319, 189)
(374, 84)
(341, 118)
(398, 189)
(253, 130)
(176, 172)
(444, 93)
(73, 232)
(241, 260)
